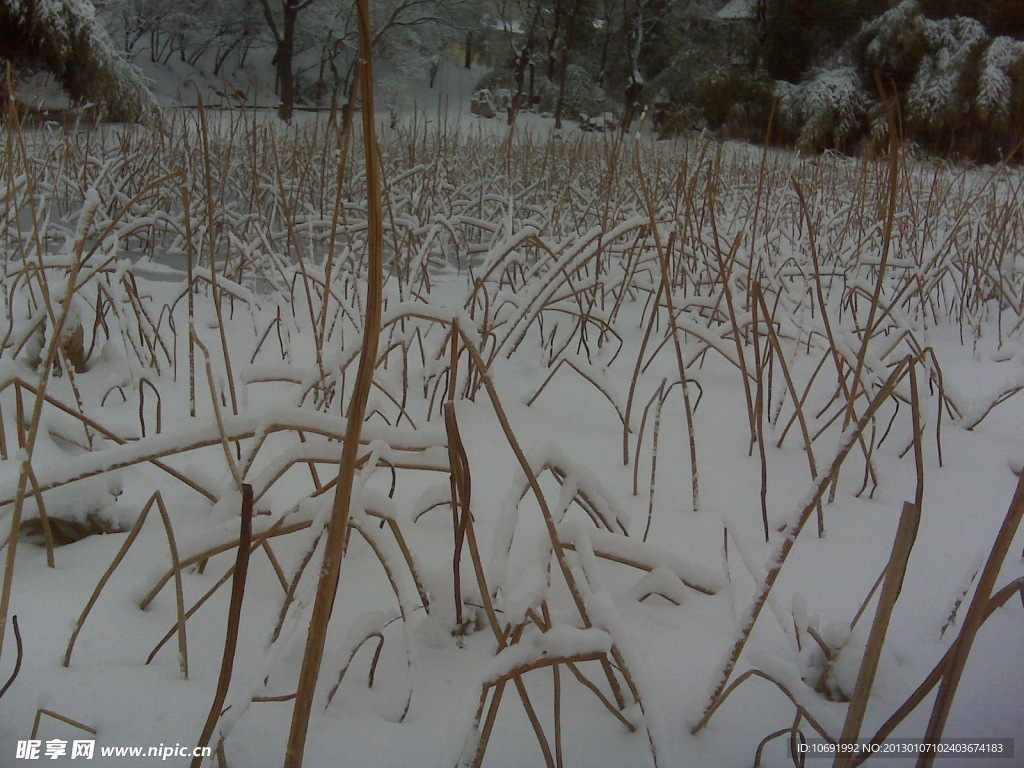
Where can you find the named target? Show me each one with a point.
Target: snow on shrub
(996, 82)
(937, 96)
(958, 88)
(67, 38)
(930, 60)
(894, 43)
(828, 110)
(583, 96)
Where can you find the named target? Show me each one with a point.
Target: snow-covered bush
(497, 81)
(939, 96)
(1001, 79)
(736, 101)
(894, 43)
(66, 37)
(958, 88)
(827, 110)
(583, 96)
(723, 97)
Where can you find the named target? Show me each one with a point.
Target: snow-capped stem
(337, 531)
(461, 496)
(636, 377)
(798, 405)
(950, 667)
(549, 522)
(211, 382)
(726, 262)
(344, 142)
(890, 219)
(833, 345)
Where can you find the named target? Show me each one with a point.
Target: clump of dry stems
(326, 275)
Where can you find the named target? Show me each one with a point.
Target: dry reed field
(505, 448)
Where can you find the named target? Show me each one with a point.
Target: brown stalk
(190, 289)
(277, 529)
(61, 718)
(758, 411)
(589, 378)
(557, 707)
(464, 526)
(557, 547)
(460, 477)
(887, 237)
(234, 614)
(44, 519)
(232, 464)
(636, 372)
(212, 230)
(906, 534)
(337, 530)
(789, 695)
(20, 648)
(176, 567)
(939, 671)
(34, 424)
(656, 397)
(654, 464)
(254, 543)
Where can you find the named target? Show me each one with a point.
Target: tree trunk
(285, 74)
(513, 109)
(602, 70)
(633, 93)
(525, 55)
(553, 42)
(469, 50)
(560, 103)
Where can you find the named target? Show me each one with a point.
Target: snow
(828, 106)
(737, 10)
(995, 86)
(527, 296)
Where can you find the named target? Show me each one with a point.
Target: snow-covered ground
(553, 252)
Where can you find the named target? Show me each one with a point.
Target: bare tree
(522, 42)
(281, 20)
(332, 31)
